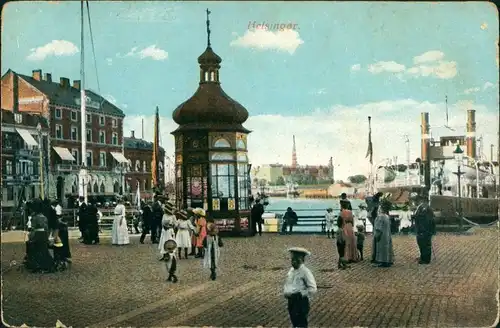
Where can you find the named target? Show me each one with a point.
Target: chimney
(471, 133)
(37, 74)
(76, 84)
(64, 82)
(132, 134)
(48, 77)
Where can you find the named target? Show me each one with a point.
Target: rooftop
(28, 120)
(68, 95)
(135, 143)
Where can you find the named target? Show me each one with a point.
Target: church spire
(208, 28)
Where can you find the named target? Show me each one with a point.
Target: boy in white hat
(300, 285)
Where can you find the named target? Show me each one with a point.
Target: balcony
(74, 168)
(27, 153)
(21, 179)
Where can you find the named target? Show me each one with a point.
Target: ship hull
(477, 210)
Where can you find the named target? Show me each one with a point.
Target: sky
(332, 66)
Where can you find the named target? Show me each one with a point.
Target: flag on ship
(369, 152)
(156, 155)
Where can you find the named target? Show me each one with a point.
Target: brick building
(21, 170)
(139, 154)
(59, 104)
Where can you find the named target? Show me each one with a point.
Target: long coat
(382, 249)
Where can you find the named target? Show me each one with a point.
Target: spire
(208, 28)
(294, 155)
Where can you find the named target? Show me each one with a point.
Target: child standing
(300, 285)
(330, 223)
(360, 240)
(170, 259)
(212, 244)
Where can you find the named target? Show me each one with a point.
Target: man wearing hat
(300, 285)
(425, 227)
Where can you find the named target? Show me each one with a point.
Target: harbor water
(307, 207)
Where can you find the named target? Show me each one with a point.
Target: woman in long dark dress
(38, 258)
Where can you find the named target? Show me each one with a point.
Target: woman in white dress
(120, 230)
(405, 220)
(183, 237)
(168, 224)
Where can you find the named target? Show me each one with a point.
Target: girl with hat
(168, 224)
(201, 225)
(183, 239)
(212, 244)
(170, 259)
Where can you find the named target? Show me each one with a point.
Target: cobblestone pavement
(125, 286)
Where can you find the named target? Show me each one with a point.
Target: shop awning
(64, 154)
(27, 137)
(119, 157)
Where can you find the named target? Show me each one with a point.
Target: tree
(356, 179)
(280, 181)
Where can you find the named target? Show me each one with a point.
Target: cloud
(429, 56)
(430, 63)
(355, 67)
(386, 66)
(149, 52)
(341, 132)
(488, 85)
(55, 48)
(287, 40)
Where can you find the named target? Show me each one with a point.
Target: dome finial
(208, 28)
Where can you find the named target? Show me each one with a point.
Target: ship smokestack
(425, 133)
(425, 152)
(471, 133)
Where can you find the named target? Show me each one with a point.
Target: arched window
(212, 76)
(74, 187)
(240, 144)
(222, 143)
(222, 157)
(89, 187)
(144, 168)
(137, 165)
(206, 76)
(96, 187)
(116, 187)
(130, 165)
(242, 158)
(103, 188)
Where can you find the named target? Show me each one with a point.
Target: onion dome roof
(209, 57)
(210, 104)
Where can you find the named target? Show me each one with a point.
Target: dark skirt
(63, 234)
(38, 257)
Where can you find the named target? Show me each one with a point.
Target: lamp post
(459, 155)
(40, 158)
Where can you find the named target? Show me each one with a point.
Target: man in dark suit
(82, 216)
(256, 215)
(92, 225)
(425, 228)
(147, 219)
(156, 222)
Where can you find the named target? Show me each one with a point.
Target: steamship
(436, 171)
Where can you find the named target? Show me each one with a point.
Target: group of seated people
(47, 232)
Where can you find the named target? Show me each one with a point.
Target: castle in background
(279, 174)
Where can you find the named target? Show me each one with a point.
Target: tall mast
(155, 162)
(83, 116)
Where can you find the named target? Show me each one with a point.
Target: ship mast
(82, 192)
